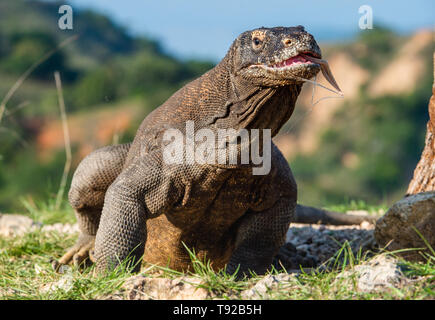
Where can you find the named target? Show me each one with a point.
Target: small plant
(217, 282)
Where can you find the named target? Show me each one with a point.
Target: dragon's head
(275, 56)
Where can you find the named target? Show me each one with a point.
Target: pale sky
(205, 29)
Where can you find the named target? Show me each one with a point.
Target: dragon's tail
(310, 215)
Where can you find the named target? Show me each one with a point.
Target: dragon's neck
(267, 108)
(238, 104)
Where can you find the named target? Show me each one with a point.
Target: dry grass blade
(10, 112)
(67, 166)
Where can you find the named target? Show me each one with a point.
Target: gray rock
(61, 228)
(316, 244)
(145, 288)
(15, 224)
(395, 229)
(264, 288)
(65, 283)
(379, 273)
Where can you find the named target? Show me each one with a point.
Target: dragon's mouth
(303, 60)
(298, 60)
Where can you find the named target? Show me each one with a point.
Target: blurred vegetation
(385, 135)
(21, 50)
(107, 66)
(103, 66)
(375, 47)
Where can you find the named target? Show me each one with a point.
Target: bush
(97, 87)
(24, 49)
(375, 46)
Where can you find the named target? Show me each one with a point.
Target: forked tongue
(326, 71)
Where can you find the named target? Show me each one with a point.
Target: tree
(424, 173)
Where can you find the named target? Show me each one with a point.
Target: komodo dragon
(130, 203)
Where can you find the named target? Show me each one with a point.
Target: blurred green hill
(364, 146)
(104, 69)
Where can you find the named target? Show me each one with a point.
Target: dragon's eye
(256, 43)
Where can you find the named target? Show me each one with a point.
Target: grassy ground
(25, 270)
(358, 205)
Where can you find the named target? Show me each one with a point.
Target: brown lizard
(130, 203)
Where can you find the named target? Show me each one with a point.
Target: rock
(316, 244)
(395, 228)
(15, 224)
(61, 228)
(263, 288)
(7, 293)
(65, 283)
(145, 288)
(377, 274)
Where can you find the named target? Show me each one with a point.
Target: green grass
(25, 269)
(25, 266)
(46, 212)
(333, 282)
(357, 205)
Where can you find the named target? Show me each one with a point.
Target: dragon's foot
(81, 254)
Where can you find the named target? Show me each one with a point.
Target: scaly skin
(131, 203)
